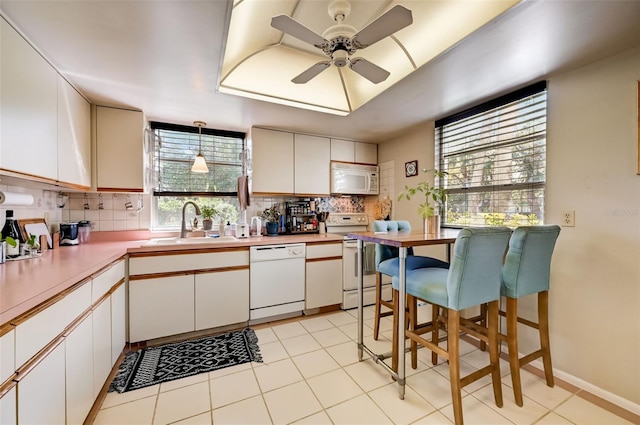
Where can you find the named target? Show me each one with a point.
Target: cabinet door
(222, 298)
(272, 161)
(312, 157)
(324, 283)
(119, 150)
(342, 150)
(41, 390)
(101, 344)
(8, 414)
(7, 353)
(79, 371)
(29, 105)
(160, 307)
(118, 323)
(74, 137)
(366, 153)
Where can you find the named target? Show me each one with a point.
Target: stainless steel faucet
(183, 227)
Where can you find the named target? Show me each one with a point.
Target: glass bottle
(11, 229)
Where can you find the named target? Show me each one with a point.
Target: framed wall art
(411, 168)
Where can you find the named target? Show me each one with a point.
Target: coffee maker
(69, 234)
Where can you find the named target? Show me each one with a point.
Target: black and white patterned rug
(154, 365)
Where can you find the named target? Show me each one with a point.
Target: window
(495, 157)
(175, 148)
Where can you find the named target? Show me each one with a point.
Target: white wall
(591, 168)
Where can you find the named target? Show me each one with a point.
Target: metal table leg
(402, 298)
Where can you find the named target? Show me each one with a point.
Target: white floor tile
(368, 375)
(231, 388)
(351, 330)
(265, 335)
(202, 419)
(529, 413)
(246, 412)
(290, 403)
(431, 386)
(475, 412)
(341, 318)
(404, 411)
(182, 403)
(133, 413)
(344, 354)
(300, 344)
(277, 374)
(360, 410)
(289, 330)
(334, 387)
(329, 337)
(536, 388)
(184, 382)
(435, 418)
(315, 363)
(272, 352)
(553, 419)
(314, 324)
(580, 411)
(320, 418)
(230, 370)
(115, 398)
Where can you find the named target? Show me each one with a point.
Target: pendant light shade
(199, 165)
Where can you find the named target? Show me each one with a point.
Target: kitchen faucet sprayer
(183, 227)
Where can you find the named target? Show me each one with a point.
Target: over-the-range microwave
(354, 179)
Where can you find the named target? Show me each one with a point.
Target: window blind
(495, 157)
(175, 150)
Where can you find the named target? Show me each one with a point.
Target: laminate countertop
(25, 284)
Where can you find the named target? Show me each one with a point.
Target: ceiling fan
(340, 41)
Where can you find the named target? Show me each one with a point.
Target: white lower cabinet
(8, 397)
(221, 298)
(41, 390)
(101, 344)
(118, 323)
(79, 371)
(323, 275)
(7, 353)
(160, 307)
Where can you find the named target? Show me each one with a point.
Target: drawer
(184, 262)
(324, 250)
(7, 350)
(104, 281)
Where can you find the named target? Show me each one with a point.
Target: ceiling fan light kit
(341, 41)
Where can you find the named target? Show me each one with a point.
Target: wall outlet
(569, 218)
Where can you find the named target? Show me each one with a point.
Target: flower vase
(432, 225)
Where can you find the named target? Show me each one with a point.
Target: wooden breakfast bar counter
(402, 241)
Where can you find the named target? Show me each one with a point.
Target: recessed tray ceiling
(260, 61)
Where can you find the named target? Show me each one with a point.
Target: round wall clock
(411, 168)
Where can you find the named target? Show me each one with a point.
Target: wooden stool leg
(435, 322)
(512, 344)
(494, 355)
(483, 323)
(543, 327)
(376, 319)
(453, 350)
(413, 320)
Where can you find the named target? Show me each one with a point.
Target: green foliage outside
(169, 210)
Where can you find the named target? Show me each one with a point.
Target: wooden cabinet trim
(38, 358)
(5, 329)
(187, 272)
(187, 252)
(77, 321)
(313, 260)
(8, 385)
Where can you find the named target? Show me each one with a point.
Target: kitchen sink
(205, 240)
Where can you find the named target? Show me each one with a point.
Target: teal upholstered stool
(472, 279)
(388, 263)
(526, 271)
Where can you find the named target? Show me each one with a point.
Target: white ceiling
(164, 57)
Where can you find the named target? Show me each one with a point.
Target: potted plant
(271, 216)
(434, 198)
(33, 245)
(208, 212)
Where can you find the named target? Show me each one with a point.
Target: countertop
(25, 284)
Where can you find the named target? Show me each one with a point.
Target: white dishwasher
(277, 276)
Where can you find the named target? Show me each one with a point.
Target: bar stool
(388, 263)
(473, 279)
(526, 271)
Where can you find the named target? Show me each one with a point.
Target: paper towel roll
(13, 198)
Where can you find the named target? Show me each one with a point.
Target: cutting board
(39, 229)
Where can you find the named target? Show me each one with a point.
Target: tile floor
(311, 375)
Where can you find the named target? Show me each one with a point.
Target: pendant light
(199, 165)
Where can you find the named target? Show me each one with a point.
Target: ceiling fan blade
(290, 26)
(311, 72)
(394, 20)
(368, 70)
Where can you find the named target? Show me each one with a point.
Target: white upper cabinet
(119, 150)
(272, 154)
(312, 157)
(28, 109)
(357, 152)
(74, 137)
